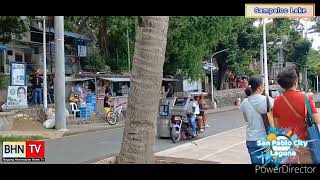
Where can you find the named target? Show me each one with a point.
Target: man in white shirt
(195, 113)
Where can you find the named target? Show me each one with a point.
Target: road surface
(85, 147)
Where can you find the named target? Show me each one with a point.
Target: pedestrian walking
(252, 108)
(311, 96)
(290, 112)
(37, 86)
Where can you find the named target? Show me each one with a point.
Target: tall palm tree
(140, 126)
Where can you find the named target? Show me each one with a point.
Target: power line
(295, 61)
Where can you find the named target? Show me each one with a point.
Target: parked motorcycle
(180, 128)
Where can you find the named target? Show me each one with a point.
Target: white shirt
(255, 129)
(195, 104)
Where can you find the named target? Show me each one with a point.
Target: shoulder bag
(266, 117)
(312, 130)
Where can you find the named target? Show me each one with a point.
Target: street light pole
(305, 68)
(265, 63)
(317, 83)
(212, 72)
(261, 60)
(45, 91)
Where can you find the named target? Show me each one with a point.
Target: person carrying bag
(294, 111)
(255, 111)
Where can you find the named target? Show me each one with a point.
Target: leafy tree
(193, 39)
(313, 62)
(12, 27)
(109, 35)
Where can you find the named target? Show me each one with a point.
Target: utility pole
(261, 52)
(45, 91)
(60, 106)
(266, 81)
(261, 60)
(129, 64)
(317, 84)
(305, 79)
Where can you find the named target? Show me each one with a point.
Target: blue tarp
(71, 34)
(3, 47)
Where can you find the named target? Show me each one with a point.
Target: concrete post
(60, 116)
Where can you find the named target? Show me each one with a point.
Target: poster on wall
(17, 97)
(17, 74)
(82, 51)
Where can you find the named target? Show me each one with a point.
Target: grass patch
(20, 138)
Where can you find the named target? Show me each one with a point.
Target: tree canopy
(12, 27)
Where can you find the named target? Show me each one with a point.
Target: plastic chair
(74, 109)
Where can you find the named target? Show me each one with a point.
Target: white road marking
(221, 150)
(195, 142)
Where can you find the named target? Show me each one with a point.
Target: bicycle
(113, 116)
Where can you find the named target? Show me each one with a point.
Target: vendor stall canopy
(116, 79)
(70, 79)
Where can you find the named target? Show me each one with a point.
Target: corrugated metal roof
(116, 79)
(70, 79)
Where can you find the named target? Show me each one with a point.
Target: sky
(314, 36)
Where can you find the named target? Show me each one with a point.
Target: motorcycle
(180, 128)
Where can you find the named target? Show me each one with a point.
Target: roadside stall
(120, 89)
(81, 96)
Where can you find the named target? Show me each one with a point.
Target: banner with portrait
(17, 74)
(17, 97)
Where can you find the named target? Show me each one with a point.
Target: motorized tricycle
(174, 118)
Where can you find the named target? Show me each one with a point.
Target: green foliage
(14, 138)
(193, 39)
(96, 62)
(12, 26)
(4, 81)
(313, 62)
(299, 52)
(109, 34)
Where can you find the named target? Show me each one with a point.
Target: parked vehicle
(174, 118)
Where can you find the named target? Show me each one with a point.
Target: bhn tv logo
(29, 151)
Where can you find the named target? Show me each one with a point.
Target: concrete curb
(88, 130)
(220, 110)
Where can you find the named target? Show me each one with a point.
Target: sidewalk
(72, 130)
(228, 147)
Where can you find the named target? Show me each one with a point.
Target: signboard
(280, 10)
(17, 74)
(82, 51)
(191, 86)
(17, 97)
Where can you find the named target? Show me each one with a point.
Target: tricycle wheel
(175, 134)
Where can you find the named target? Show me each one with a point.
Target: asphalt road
(85, 147)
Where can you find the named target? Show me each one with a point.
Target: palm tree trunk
(140, 126)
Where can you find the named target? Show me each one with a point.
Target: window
(2, 62)
(10, 53)
(164, 110)
(36, 50)
(18, 57)
(180, 101)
